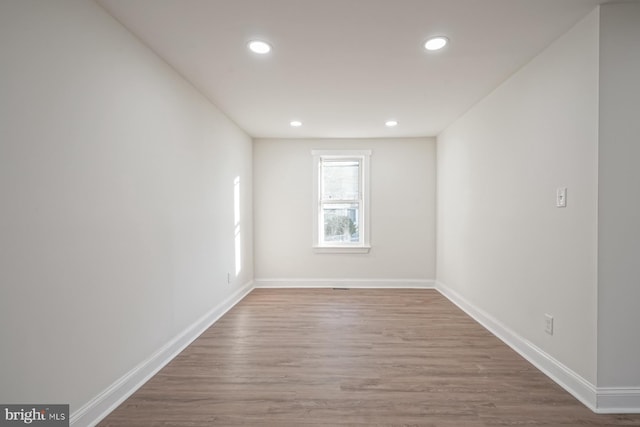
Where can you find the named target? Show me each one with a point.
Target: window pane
(341, 223)
(340, 179)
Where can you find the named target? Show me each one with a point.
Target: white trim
(575, 384)
(338, 153)
(620, 400)
(601, 400)
(364, 159)
(341, 249)
(345, 283)
(101, 405)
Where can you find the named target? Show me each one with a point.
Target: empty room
(319, 213)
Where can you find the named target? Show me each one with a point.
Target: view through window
(341, 183)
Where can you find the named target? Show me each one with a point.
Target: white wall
(117, 187)
(619, 199)
(502, 244)
(402, 212)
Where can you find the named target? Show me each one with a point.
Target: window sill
(341, 249)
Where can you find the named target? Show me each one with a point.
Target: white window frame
(363, 246)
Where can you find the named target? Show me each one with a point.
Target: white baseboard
(600, 400)
(100, 406)
(345, 283)
(604, 400)
(621, 400)
(580, 388)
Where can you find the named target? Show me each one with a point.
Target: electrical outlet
(548, 325)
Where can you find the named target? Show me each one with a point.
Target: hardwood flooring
(358, 357)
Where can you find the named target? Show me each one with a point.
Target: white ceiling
(343, 67)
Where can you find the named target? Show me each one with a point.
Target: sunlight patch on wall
(236, 220)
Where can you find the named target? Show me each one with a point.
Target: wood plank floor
(359, 357)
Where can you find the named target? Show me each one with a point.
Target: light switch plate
(548, 324)
(561, 197)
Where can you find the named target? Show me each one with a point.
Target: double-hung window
(341, 201)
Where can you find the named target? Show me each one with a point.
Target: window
(341, 201)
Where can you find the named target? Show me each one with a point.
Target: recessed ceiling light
(258, 46)
(391, 123)
(436, 43)
(295, 123)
